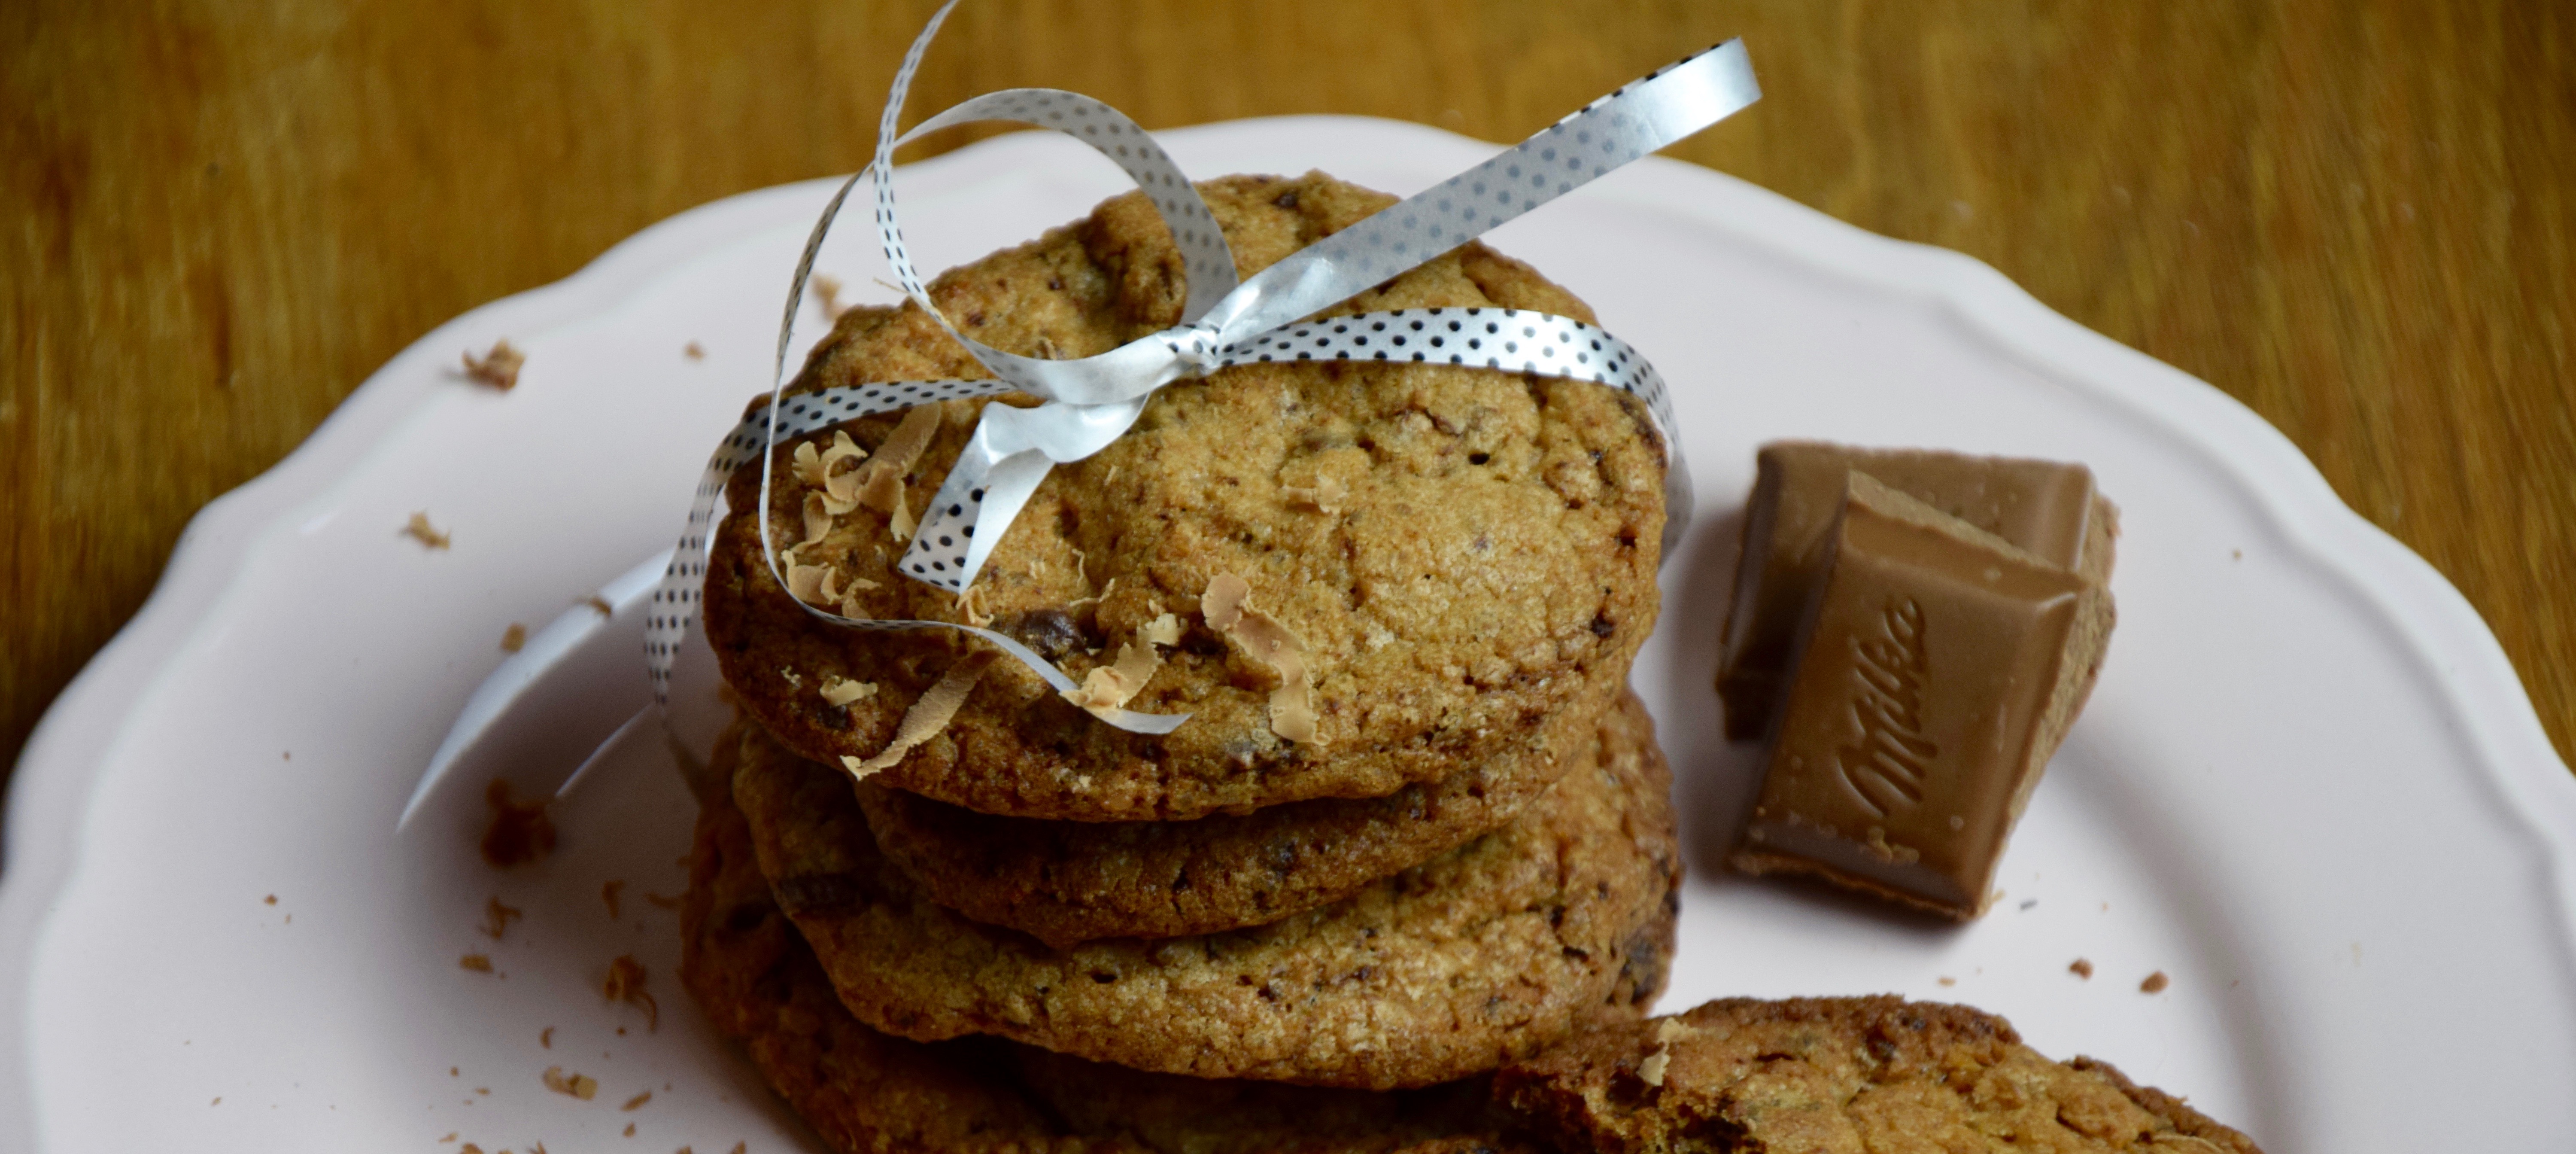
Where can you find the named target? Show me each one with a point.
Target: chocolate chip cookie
(1484, 954)
(864, 1091)
(1453, 555)
(1836, 1075)
(1066, 882)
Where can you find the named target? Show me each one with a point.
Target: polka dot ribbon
(1092, 401)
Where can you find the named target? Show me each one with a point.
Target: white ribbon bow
(1092, 401)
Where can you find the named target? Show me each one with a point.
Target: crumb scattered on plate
(608, 894)
(498, 368)
(827, 293)
(2082, 968)
(518, 833)
(497, 917)
(269, 900)
(637, 1102)
(2155, 983)
(626, 984)
(581, 1086)
(659, 900)
(600, 605)
(419, 529)
(1947, 981)
(514, 638)
(479, 964)
(694, 352)
(546, 1037)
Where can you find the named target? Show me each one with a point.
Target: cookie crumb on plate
(497, 917)
(581, 1086)
(625, 983)
(498, 368)
(419, 529)
(518, 833)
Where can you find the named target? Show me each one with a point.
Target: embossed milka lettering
(1886, 767)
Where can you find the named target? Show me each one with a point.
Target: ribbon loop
(1205, 258)
(1639, 118)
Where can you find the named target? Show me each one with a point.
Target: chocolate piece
(1940, 666)
(2046, 508)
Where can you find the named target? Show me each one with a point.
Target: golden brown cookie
(1839, 1076)
(1068, 882)
(865, 1091)
(1458, 553)
(1479, 956)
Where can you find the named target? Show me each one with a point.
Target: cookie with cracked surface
(864, 1091)
(1459, 553)
(1066, 882)
(1839, 1076)
(1479, 956)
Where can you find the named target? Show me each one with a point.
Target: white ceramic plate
(2309, 787)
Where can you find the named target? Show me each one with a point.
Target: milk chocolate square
(1940, 665)
(2048, 509)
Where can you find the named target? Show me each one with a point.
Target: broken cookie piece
(1743, 1075)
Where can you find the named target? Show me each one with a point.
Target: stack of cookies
(1415, 828)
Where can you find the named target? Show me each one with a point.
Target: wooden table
(2356, 217)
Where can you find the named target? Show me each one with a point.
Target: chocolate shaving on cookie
(928, 715)
(1227, 606)
(840, 488)
(842, 691)
(882, 489)
(1108, 687)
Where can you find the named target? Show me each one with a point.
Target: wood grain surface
(216, 219)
